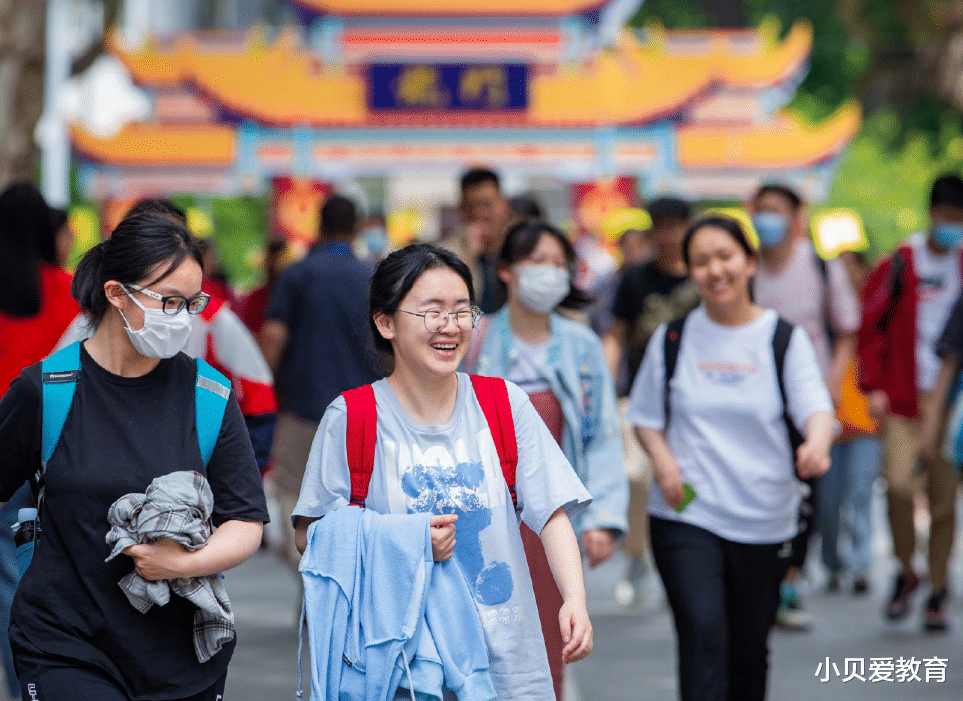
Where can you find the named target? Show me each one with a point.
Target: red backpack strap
(492, 395)
(361, 434)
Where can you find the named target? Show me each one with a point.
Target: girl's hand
(576, 631)
(443, 536)
(878, 402)
(811, 460)
(669, 480)
(162, 559)
(598, 545)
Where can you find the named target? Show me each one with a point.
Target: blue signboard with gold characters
(447, 87)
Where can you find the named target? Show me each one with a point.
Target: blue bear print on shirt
(454, 490)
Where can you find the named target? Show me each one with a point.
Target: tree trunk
(22, 24)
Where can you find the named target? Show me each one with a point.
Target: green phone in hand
(688, 494)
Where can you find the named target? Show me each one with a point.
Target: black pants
(48, 678)
(724, 597)
(807, 517)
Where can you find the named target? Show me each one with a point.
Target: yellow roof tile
(138, 144)
(786, 142)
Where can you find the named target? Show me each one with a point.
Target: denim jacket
(579, 378)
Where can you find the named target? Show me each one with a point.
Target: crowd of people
(707, 406)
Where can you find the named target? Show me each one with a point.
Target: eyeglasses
(172, 304)
(436, 318)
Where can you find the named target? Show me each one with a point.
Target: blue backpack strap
(59, 375)
(210, 399)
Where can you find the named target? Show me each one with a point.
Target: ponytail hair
(147, 246)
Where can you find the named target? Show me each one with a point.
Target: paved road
(634, 657)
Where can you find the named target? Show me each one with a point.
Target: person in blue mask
(818, 296)
(907, 303)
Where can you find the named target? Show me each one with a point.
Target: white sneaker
(624, 593)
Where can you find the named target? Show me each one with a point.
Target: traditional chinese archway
(541, 88)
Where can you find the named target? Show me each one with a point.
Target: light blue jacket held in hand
(580, 379)
(381, 612)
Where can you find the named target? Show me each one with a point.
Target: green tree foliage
(240, 232)
(874, 52)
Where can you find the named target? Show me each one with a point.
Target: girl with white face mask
(560, 364)
(131, 421)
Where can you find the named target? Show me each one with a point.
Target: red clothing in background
(252, 309)
(25, 341)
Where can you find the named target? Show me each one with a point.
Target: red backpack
(362, 432)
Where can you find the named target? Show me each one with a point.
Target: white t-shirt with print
(937, 287)
(801, 296)
(726, 430)
(455, 468)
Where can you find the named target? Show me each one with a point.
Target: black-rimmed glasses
(172, 304)
(436, 318)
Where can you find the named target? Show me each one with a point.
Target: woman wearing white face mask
(560, 364)
(131, 420)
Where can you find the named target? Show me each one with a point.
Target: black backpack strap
(670, 347)
(780, 344)
(895, 290)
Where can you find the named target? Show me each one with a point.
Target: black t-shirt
(951, 340)
(120, 434)
(646, 298)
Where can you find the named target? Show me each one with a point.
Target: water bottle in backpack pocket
(26, 532)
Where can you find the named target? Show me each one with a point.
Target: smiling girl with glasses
(435, 454)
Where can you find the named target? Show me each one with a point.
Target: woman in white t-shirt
(434, 453)
(722, 554)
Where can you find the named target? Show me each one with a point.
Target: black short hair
(948, 190)
(527, 206)
(398, 272)
(522, 238)
(477, 176)
(136, 248)
(668, 208)
(784, 191)
(339, 217)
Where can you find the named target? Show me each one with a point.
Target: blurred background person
(907, 302)
(526, 206)
(35, 303)
(716, 420)
(253, 305)
(35, 310)
(635, 248)
(216, 283)
(817, 295)
(560, 365)
(63, 237)
(373, 242)
(486, 214)
(315, 338)
(649, 293)
(845, 493)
